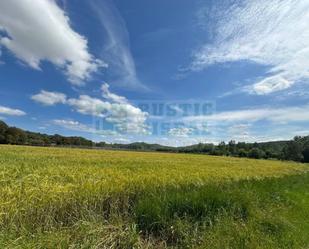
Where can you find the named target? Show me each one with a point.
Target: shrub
(256, 153)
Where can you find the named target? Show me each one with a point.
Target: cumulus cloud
(111, 96)
(49, 98)
(11, 112)
(126, 117)
(273, 33)
(39, 30)
(90, 106)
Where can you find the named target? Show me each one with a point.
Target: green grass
(71, 198)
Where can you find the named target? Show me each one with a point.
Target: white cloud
(11, 112)
(89, 106)
(277, 115)
(239, 132)
(49, 98)
(270, 84)
(273, 33)
(126, 117)
(77, 126)
(39, 30)
(72, 125)
(120, 140)
(180, 132)
(111, 96)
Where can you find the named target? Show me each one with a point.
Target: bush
(242, 153)
(256, 153)
(293, 151)
(306, 154)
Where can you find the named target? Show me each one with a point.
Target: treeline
(16, 136)
(295, 150)
(13, 135)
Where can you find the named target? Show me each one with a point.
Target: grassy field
(72, 198)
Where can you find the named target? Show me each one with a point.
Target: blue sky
(173, 72)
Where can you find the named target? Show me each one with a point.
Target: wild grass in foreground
(62, 198)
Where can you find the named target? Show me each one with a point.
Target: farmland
(74, 198)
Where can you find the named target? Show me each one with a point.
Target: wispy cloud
(273, 33)
(39, 30)
(72, 125)
(239, 132)
(11, 112)
(278, 115)
(77, 126)
(117, 44)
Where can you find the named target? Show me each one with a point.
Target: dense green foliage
(13, 135)
(295, 150)
(73, 198)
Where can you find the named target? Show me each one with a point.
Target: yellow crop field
(49, 190)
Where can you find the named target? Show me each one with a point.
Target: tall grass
(71, 198)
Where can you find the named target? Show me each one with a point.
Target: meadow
(78, 198)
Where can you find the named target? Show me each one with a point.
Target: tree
(256, 153)
(242, 153)
(15, 136)
(232, 147)
(293, 150)
(305, 154)
(3, 129)
(222, 150)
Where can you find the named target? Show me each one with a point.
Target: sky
(174, 72)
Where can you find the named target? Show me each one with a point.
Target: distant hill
(294, 150)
